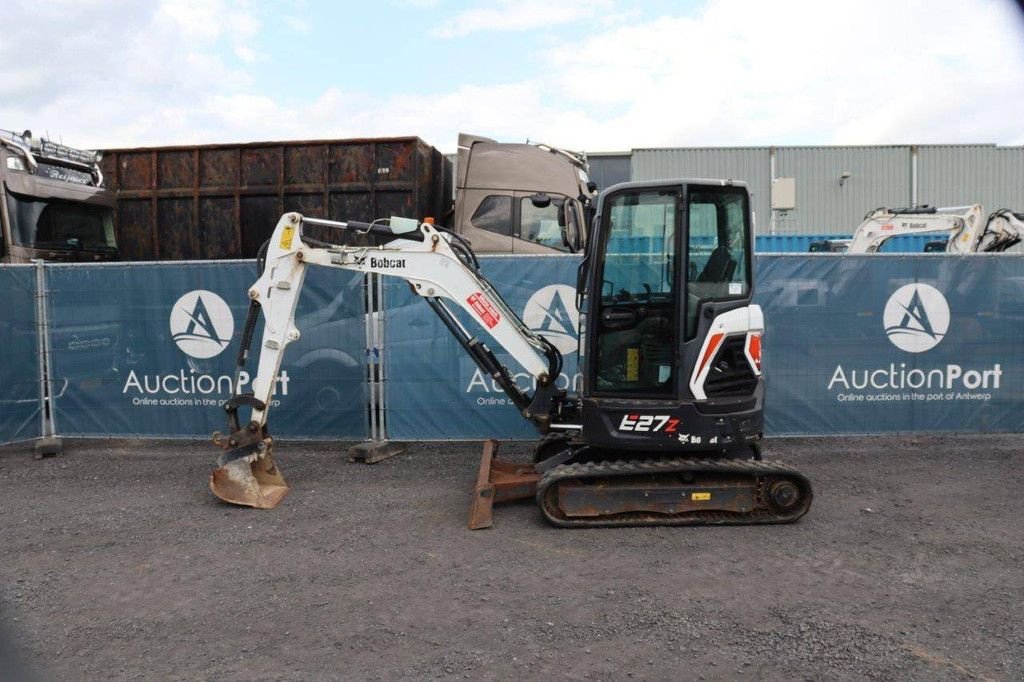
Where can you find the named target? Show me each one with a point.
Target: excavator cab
(671, 352)
(670, 410)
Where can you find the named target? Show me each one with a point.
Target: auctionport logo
(916, 317)
(552, 313)
(201, 324)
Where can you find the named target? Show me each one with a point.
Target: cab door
(634, 300)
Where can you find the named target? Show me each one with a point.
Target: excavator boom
(437, 266)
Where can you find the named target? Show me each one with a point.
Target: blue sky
(602, 75)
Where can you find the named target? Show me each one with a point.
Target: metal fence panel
(435, 391)
(892, 344)
(20, 375)
(855, 344)
(835, 354)
(149, 350)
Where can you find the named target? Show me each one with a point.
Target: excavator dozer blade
(252, 480)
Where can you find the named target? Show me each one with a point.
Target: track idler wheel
(783, 495)
(248, 477)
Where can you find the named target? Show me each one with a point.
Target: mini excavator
(667, 426)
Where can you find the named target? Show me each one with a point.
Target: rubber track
(547, 491)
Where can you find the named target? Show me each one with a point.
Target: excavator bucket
(251, 480)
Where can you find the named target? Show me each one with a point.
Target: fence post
(378, 447)
(380, 324)
(49, 443)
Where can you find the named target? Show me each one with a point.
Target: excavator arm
(1003, 230)
(964, 227)
(438, 266)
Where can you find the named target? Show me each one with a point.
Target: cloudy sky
(599, 75)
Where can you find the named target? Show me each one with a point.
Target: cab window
(540, 225)
(717, 250)
(494, 214)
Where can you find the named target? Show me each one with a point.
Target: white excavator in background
(969, 231)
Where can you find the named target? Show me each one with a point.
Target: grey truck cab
(521, 198)
(53, 205)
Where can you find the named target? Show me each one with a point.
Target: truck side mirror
(568, 220)
(540, 200)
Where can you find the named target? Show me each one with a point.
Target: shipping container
(223, 200)
(801, 243)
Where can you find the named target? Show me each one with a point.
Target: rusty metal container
(223, 200)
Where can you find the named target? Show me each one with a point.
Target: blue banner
(892, 344)
(149, 350)
(854, 344)
(435, 391)
(20, 401)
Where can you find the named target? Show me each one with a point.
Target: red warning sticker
(484, 309)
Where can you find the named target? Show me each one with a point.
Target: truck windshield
(55, 223)
(717, 248)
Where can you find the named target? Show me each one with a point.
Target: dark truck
(54, 205)
(223, 200)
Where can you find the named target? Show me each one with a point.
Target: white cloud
(515, 15)
(802, 72)
(736, 73)
(121, 73)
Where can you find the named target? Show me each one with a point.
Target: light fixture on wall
(844, 176)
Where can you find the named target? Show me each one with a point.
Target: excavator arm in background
(438, 267)
(964, 226)
(966, 229)
(1003, 230)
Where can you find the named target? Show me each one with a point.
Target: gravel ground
(119, 563)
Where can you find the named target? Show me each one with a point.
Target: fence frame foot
(374, 451)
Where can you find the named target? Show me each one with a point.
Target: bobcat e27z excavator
(667, 427)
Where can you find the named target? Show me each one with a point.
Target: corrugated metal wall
(879, 176)
(955, 175)
(948, 175)
(749, 164)
(608, 169)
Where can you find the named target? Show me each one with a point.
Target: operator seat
(719, 267)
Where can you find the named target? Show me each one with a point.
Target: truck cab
(53, 205)
(521, 198)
